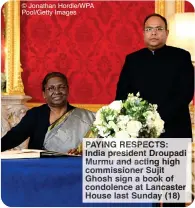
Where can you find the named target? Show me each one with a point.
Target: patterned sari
(68, 131)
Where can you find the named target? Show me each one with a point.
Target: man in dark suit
(163, 75)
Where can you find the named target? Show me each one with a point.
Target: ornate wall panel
(188, 7)
(89, 47)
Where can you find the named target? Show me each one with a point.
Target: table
(46, 182)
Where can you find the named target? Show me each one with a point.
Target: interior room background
(89, 48)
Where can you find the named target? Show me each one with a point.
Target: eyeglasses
(60, 88)
(156, 29)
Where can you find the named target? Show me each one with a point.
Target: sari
(69, 130)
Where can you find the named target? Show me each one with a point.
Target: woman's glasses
(60, 88)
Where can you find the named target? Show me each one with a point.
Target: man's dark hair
(156, 15)
(51, 75)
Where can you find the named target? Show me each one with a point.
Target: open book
(32, 153)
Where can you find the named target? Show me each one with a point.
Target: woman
(55, 126)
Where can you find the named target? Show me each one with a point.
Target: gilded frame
(14, 85)
(160, 7)
(179, 6)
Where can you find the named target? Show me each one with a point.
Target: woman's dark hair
(51, 75)
(156, 15)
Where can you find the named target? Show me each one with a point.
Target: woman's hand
(74, 152)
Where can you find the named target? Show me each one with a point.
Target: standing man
(163, 75)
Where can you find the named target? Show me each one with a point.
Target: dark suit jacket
(166, 79)
(34, 125)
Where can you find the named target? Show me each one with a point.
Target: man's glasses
(156, 29)
(60, 88)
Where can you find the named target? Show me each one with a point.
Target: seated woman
(55, 126)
